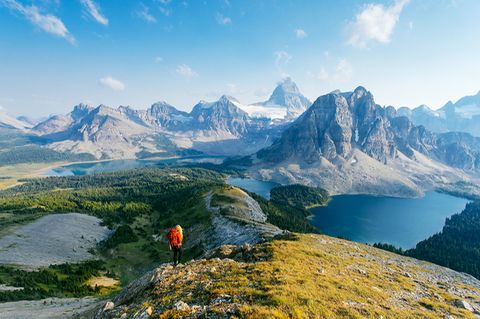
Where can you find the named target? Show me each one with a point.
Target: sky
(55, 54)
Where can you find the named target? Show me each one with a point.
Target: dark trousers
(177, 255)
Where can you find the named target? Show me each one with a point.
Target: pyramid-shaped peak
(287, 85)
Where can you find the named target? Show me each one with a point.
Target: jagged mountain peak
(161, 104)
(82, 106)
(286, 85)
(162, 107)
(287, 94)
(360, 91)
(228, 98)
(347, 127)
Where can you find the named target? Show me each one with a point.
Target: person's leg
(175, 253)
(179, 256)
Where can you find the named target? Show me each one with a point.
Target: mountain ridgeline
(222, 127)
(339, 122)
(347, 143)
(344, 142)
(463, 115)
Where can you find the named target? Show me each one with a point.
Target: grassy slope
(322, 277)
(313, 277)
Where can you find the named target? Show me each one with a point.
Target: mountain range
(343, 142)
(347, 143)
(222, 127)
(463, 115)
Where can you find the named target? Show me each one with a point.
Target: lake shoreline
(402, 222)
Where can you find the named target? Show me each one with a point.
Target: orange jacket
(175, 237)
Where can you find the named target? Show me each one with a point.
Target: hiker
(175, 238)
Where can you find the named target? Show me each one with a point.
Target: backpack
(173, 237)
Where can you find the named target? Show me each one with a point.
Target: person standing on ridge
(175, 240)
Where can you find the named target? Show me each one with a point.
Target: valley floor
(11, 174)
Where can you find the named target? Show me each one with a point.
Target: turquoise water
(117, 165)
(258, 187)
(398, 221)
(402, 222)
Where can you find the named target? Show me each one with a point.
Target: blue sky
(57, 53)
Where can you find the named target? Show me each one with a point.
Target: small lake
(402, 222)
(79, 169)
(256, 186)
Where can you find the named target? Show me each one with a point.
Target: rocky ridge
(346, 143)
(340, 279)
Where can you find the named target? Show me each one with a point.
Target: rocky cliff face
(338, 122)
(327, 145)
(222, 115)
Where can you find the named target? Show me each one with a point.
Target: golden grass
(102, 281)
(313, 276)
(321, 277)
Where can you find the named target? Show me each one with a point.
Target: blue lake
(261, 188)
(78, 169)
(402, 222)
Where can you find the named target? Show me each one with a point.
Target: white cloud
(323, 75)
(112, 83)
(341, 72)
(410, 25)
(185, 71)
(94, 11)
(261, 93)
(47, 22)
(282, 58)
(374, 23)
(232, 88)
(144, 14)
(163, 7)
(165, 11)
(158, 59)
(223, 20)
(300, 33)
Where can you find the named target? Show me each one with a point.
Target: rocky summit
(222, 127)
(298, 276)
(347, 143)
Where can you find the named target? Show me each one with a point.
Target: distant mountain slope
(461, 116)
(347, 143)
(285, 104)
(220, 127)
(309, 276)
(6, 121)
